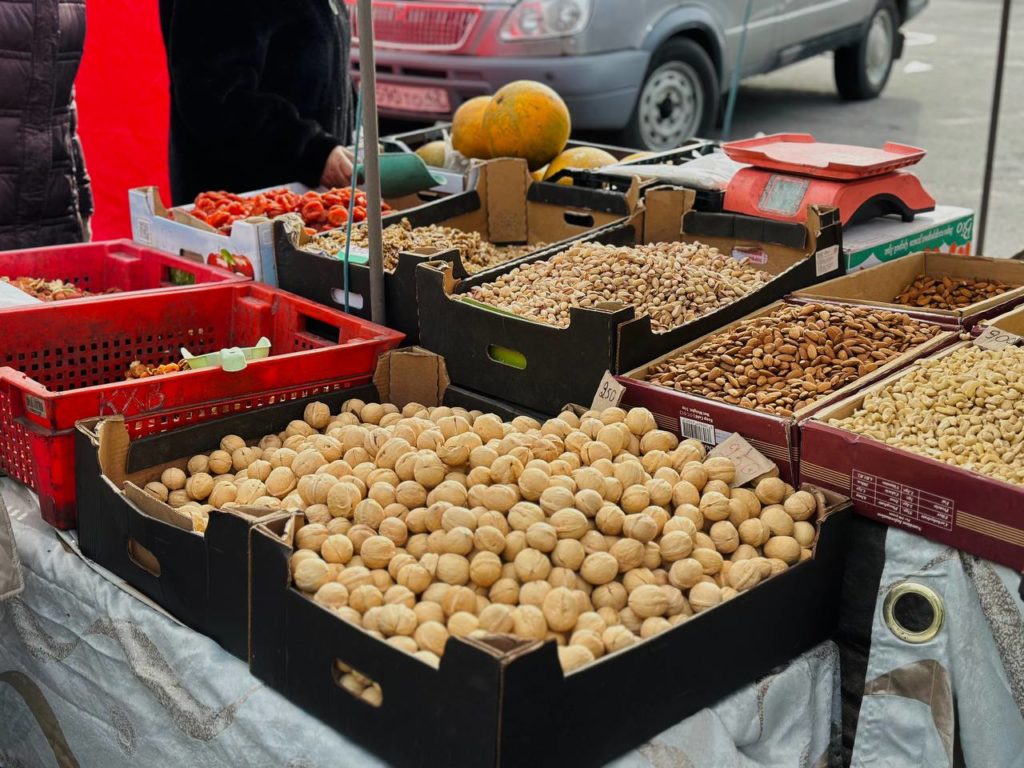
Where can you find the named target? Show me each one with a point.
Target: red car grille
(421, 26)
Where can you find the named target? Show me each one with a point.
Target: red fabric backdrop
(122, 108)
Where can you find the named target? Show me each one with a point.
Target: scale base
(783, 197)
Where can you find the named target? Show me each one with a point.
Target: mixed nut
(965, 408)
(944, 292)
(673, 283)
(596, 531)
(50, 290)
(477, 254)
(787, 359)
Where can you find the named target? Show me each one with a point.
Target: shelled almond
(595, 531)
(790, 358)
(945, 292)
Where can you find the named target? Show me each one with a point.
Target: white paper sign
(609, 393)
(826, 260)
(995, 339)
(750, 462)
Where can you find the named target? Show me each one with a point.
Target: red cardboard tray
(802, 154)
(60, 363)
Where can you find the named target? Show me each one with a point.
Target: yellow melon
(636, 156)
(529, 120)
(468, 136)
(579, 157)
(433, 153)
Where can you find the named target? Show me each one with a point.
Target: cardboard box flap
(113, 449)
(157, 509)
(586, 199)
(665, 208)
(503, 184)
(411, 375)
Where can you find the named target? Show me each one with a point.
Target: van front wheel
(863, 69)
(678, 100)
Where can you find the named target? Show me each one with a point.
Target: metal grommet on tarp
(913, 612)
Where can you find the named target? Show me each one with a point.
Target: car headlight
(538, 19)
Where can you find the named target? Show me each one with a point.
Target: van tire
(680, 71)
(862, 70)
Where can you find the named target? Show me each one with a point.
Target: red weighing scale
(789, 171)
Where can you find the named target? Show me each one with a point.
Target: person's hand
(86, 229)
(338, 168)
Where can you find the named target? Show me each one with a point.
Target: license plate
(412, 98)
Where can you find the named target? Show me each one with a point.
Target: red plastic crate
(67, 361)
(122, 264)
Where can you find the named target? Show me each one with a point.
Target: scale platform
(790, 171)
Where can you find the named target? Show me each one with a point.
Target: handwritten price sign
(750, 462)
(609, 393)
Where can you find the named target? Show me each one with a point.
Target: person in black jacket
(260, 94)
(45, 195)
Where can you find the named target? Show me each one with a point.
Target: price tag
(609, 393)
(995, 339)
(826, 260)
(750, 463)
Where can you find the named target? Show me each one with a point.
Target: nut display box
(494, 698)
(175, 230)
(202, 578)
(974, 505)
(954, 290)
(506, 208)
(712, 421)
(499, 700)
(63, 363)
(543, 366)
(100, 268)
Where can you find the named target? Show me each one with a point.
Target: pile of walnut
(476, 253)
(423, 523)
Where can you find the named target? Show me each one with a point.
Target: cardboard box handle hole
(578, 219)
(356, 684)
(355, 300)
(143, 558)
(506, 356)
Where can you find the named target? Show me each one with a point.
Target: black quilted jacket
(259, 91)
(44, 189)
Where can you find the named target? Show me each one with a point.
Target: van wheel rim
(671, 105)
(879, 49)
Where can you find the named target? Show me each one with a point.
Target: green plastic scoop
(403, 173)
(231, 359)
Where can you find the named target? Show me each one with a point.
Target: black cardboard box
(204, 580)
(542, 366)
(501, 701)
(506, 207)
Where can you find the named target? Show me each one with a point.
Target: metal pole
(993, 128)
(734, 84)
(371, 161)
